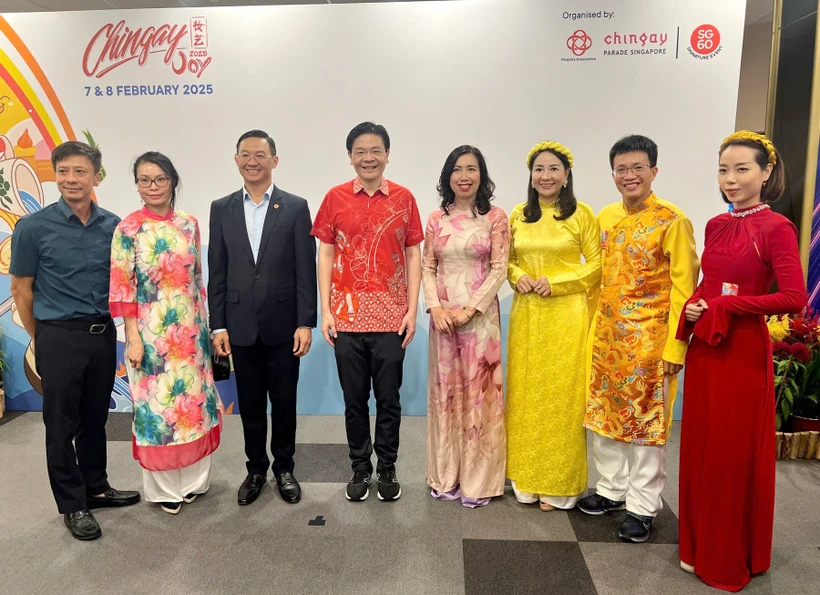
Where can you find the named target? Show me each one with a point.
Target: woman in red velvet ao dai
(727, 461)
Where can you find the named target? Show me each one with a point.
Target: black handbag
(222, 367)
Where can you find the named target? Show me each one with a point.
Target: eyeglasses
(638, 170)
(259, 157)
(358, 153)
(160, 181)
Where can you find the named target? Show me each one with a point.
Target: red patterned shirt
(368, 290)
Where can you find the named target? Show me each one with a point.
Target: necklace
(751, 211)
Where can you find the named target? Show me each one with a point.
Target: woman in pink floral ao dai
(464, 264)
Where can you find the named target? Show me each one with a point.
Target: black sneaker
(171, 507)
(358, 488)
(597, 504)
(635, 527)
(389, 487)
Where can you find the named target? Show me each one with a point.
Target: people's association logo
(579, 42)
(704, 43)
(184, 47)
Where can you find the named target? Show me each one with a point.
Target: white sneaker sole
(189, 500)
(626, 537)
(687, 567)
(396, 497)
(600, 512)
(171, 510)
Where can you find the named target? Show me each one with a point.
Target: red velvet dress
(727, 460)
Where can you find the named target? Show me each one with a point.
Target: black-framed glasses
(160, 181)
(638, 170)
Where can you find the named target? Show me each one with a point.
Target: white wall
(436, 74)
(497, 74)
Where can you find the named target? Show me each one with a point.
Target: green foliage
(5, 187)
(90, 140)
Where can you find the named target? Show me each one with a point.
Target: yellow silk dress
(650, 268)
(546, 379)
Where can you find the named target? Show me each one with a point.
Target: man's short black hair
(368, 128)
(634, 143)
(257, 134)
(75, 148)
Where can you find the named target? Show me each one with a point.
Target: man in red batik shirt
(369, 277)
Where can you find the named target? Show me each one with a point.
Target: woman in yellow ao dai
(549, 323)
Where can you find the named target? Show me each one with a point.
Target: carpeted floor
(324, 544)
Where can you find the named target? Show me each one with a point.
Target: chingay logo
(655, 41)
(115, 44)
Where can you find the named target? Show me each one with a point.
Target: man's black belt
(96, 325)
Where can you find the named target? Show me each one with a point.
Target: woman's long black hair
(486, 187)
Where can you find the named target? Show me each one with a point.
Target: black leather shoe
(250, 489)
(289, 488)
(113, 498)
(83, 525)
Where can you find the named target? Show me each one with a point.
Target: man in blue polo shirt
(60, 271)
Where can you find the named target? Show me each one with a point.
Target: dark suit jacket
(277, 294)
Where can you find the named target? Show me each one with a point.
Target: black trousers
(264, 371)
(377, 359)
(77, 369)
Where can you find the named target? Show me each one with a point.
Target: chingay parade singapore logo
(184, 47)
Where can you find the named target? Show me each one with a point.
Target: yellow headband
(552, 146)
(755, 138)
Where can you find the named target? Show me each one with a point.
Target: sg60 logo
(705, 40)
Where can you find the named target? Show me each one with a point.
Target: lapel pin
(276, 205)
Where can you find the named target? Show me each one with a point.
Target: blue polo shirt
(70, 262)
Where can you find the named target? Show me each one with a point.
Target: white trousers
(640, 484)
(171, 486)
(563, 502)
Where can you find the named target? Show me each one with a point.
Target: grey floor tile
(322, 463)
(218, 514)
(317, 429)
(9, 416)
(118, 428)
(270, 545)
(794, 571)
(507, 519)
(640, 569)
(330, 429)
(795, 524)
(414, 514)
(25, 430)
(242, 562)
(525, 567)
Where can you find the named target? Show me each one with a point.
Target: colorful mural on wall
(32, 123)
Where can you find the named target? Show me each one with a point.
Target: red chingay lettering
(115, 44)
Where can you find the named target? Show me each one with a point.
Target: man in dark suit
(262, 300)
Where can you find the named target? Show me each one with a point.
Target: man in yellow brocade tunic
(649, 270)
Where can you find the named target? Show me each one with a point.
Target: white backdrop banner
(502, 75)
